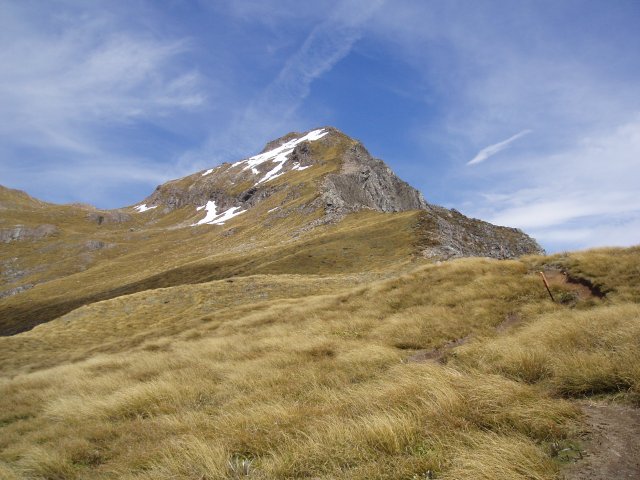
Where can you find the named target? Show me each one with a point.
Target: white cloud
(612, 230)
(56, 87)
(76, 79)
(491, 150)
(541, 213)
(587, 194)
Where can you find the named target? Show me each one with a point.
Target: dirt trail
(582, 290)
(612, 447)
(438, 354)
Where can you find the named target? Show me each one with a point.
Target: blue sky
(523, 113)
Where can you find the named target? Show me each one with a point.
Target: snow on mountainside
(215, 218)
(279, 156)
(143, 208)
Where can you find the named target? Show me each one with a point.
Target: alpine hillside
(310, 202)
(305, 314)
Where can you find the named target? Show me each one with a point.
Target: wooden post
(546, 284)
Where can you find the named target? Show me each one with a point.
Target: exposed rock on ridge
(21, 233)
(366, 182)
(445, 234)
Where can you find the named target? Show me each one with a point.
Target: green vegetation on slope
(324, 376)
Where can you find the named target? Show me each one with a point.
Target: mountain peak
(341, 173)
(318, 177)
(277, 153)
(310, 202)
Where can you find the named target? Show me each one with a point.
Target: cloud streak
(589, 199)
(324, 47)
(491, 150)
(272, 110)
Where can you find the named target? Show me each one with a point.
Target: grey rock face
(108, 217)
(22, 233)
(172, 196)
(446, 234)
(16, 290)
(365, 182)
(93, 245)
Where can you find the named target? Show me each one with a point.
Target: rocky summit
(344, 178)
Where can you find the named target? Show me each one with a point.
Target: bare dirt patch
(438, 355)
(582, 288)
(612, 444)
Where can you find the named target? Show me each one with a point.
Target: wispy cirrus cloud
(274, 109)
(491, 150)
(76, 82)
(56, 87)
(583, 196)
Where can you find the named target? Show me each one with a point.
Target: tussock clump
(573, 352)
(188, 457)
(486, 456)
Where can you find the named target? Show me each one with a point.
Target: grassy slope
(280, 376)
(147, 251)
(364, 242)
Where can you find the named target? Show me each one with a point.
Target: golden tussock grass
(573, 352)
(315, 386)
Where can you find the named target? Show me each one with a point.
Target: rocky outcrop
(108, 217)
(93, 245)
(365, 182)
(23, 233)
(445, 234)
(16, 290)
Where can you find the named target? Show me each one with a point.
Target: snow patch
(273, 209)
(279, 156)
(227, 215)
(213, 217)
(207, 172)
(143, 208)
